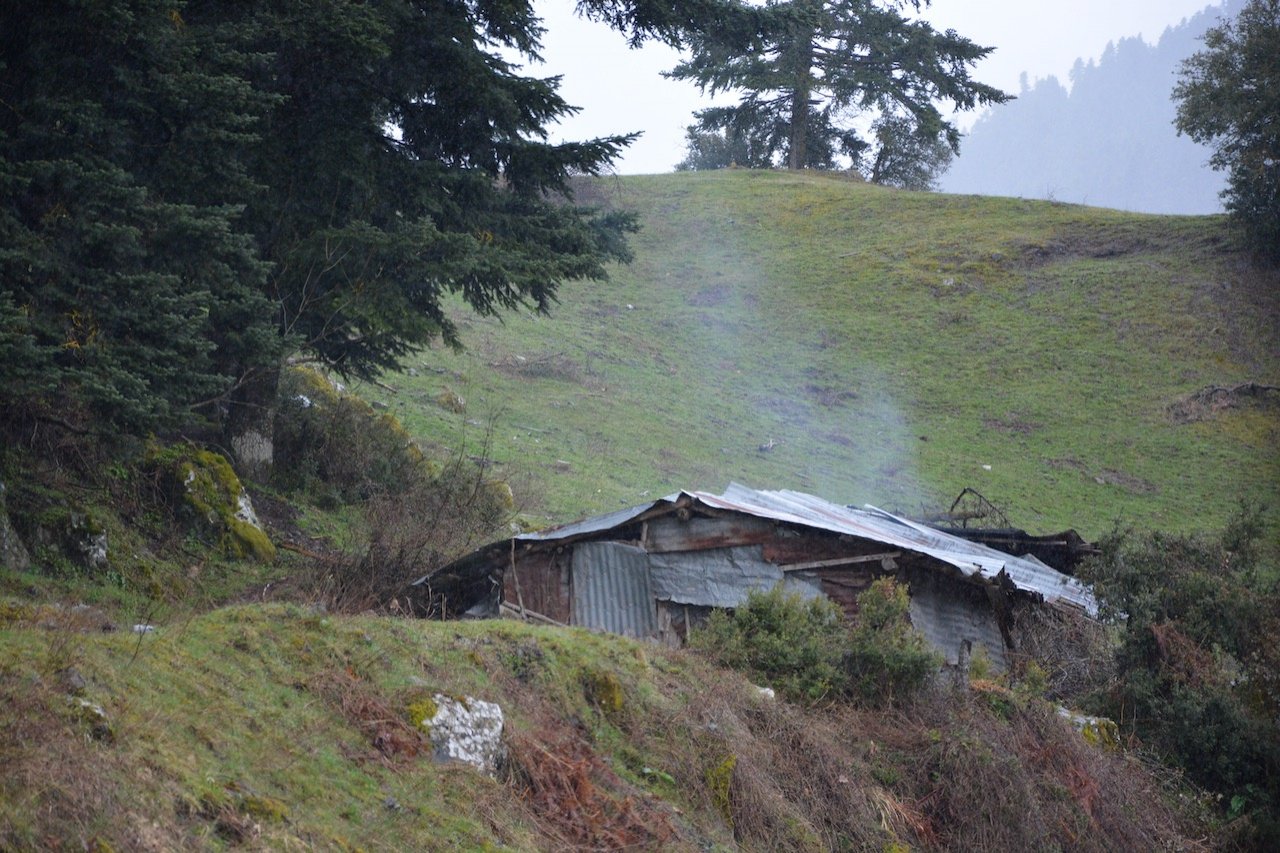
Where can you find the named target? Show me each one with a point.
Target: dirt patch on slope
(1105, 476)
(1212, 399)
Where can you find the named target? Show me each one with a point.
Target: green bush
(887, 657)
(337, 446)
(778, 639)
(1196, 669)
(806, 651)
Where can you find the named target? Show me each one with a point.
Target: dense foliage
(124, 263)
(886, 656)
(1197, 672)
(780, 640)
(820, 71)
(805, 650)
(192, 191)
(1229, 97)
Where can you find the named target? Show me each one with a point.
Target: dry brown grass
(578, 801)
(391, 737)
(991, 770)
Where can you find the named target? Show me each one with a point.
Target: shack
(656, 571)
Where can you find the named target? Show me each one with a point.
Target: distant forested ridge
(1110, 141)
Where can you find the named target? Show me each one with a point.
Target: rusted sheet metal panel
(844, 587)
(802, 546)
(720, 577)
(611, 589)
(876, 525)
(541, 581)
(670, 533)
(950, 615)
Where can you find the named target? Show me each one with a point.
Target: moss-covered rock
(604, 690)
(205, 489)
(264, 808)
(421, 712)
(64, 536)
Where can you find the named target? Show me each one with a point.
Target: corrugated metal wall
(721, 577)
(611, 589)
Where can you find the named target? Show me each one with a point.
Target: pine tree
(120, 191)
(822, 71)
(405, 160)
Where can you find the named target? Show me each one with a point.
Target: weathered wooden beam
(841, 561)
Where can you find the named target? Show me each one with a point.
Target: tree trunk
(250, 424)
(797, 153)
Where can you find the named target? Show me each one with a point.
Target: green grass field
(888, 348)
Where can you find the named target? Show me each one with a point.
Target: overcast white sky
(622, 90)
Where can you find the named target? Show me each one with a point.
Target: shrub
(413, 532)
(805, 650)
(887, 657)
(1196, 668)
(338, 446)
(777, 638)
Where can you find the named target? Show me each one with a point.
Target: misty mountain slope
(810, 332)
(1109, 142)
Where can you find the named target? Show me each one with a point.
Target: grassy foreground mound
(805, 331)
(274, 726)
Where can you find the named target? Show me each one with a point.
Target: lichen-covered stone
(93, 717)
(451, 401)
(467, 730)
(1098, 731)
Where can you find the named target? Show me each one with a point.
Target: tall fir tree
(405, 159)
(120, 197)
(822, 71)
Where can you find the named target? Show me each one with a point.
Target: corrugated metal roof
(595, 524)
(971, 558)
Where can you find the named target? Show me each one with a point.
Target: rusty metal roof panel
(971, 558)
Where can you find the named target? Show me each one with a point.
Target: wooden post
(516, 577)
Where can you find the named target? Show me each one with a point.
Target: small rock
(92, 714)
(143, 629)
(72, 680)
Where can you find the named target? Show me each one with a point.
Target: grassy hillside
(886, 347)
(277, 727)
